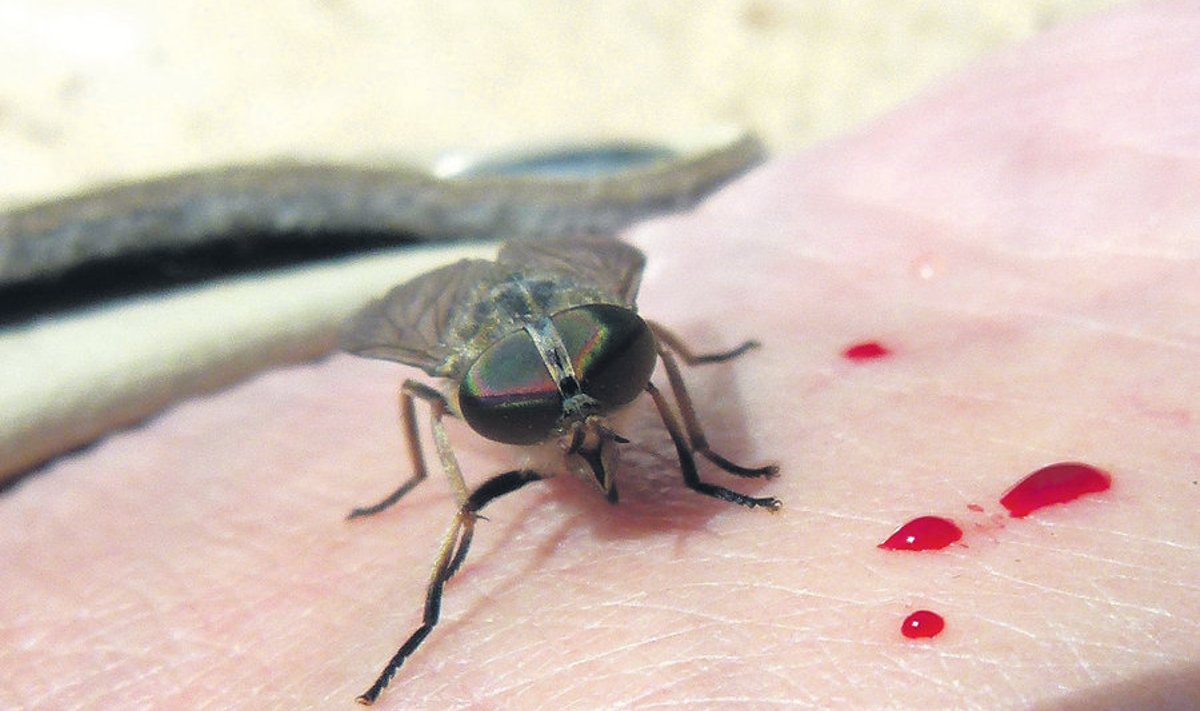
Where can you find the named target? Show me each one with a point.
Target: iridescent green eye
(612, 350)
(508, 395)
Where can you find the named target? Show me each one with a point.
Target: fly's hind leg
(695, 433)
(409, 393)
(450, 556)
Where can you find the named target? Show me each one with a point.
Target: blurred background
(103, 89)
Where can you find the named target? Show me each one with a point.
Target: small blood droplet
(922, 624)
(975, 507)
(926, 533)
(867, 350)
(1055, 484)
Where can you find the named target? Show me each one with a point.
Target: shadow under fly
(543, 344)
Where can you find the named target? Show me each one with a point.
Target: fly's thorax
(534, 382)
(500, 308)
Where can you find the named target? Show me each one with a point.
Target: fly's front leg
(695, 433)
(409, 392)
(450, 556)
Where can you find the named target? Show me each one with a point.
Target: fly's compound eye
(508, 395)
(612, 349)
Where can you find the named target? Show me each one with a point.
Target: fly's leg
(695, 433)
(676, 344)
(450, 556)
(457, 541)
(687, 462)
(409, 392)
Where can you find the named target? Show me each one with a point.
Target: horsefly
(542, 344)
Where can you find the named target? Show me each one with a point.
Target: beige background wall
(96, 89)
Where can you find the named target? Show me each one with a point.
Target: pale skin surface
(1026, 241)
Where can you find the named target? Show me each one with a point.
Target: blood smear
(925, 533)
(922, 624)
(1055, 484)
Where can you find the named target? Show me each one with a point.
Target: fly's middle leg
(669, 342)
(676, 344)
(687, 461)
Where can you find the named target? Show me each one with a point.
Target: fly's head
(557, 378)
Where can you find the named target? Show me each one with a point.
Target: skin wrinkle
(710, 701)
(741, 591)
(682, 673)
(926, 678)
(1155, 541)
(565, 671)
(697, 630)
(1076, 596)
(1182, 622)
(1085, 555)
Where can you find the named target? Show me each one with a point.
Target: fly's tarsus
(766, 472)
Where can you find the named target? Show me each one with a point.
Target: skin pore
(1024, 241)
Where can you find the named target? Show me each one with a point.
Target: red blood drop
(926, 533)
(975, 507)
(867, 350)
(922, 624)
(1055, 484)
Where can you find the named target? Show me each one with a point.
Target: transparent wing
(411, 324)
(603, 262)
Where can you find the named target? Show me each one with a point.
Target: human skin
(1025, 240)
